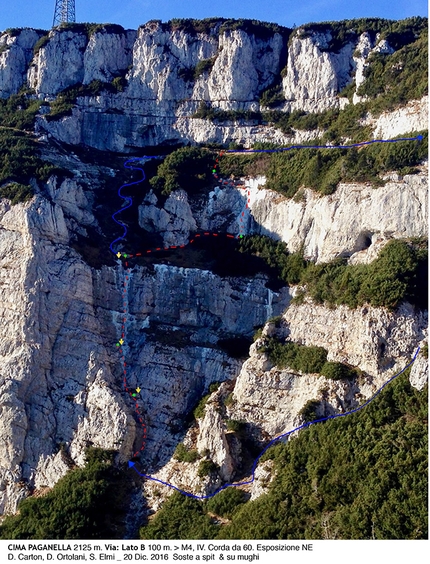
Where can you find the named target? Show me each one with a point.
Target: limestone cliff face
(168, 73)
(61, 385)
(354, 222)
(61, 379)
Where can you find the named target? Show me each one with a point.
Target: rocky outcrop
(61, 383)
(353, 222)
(167, 73)
(16, 52)
(314, 76)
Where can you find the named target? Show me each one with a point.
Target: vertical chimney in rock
(64, 12)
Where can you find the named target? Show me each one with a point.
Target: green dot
(134, 395)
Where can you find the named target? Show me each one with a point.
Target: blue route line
(127, 199)
(362, 144)
(131, 464)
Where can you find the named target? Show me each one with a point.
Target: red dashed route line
(134, 394)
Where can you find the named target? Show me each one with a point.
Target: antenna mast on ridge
(64, 12)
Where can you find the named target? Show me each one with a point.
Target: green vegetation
(188, 168)
(290, 266)
(306, 359)
(323, 169)
(90, 29)
(182, 517)
(235, 425)
(398, 274)
(308, 411)
(192, 74)
(18, 111)
(88, 503)
(292, 355)
(262, 30)
(395, 79)
(204, 66)
(206, 468)
(66, 99)
(40, 43)
(425, 350)
(272, 96)
(359, 477)
(226, 502)
(19, 163)
(184, 455)
(19, 160)
(338, 371)
(16, 193)
(199, 410)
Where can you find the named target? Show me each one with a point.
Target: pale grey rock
(314, 75)
(108, 55)
(364, 49)
(412, 117)
(15, 55)
(374, 339)
(419, 372)
(212, 438)
(350, 221)
(59, 63)
(264, 476)
(174, 222)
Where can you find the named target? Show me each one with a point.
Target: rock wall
(61, 383)
(168, 73)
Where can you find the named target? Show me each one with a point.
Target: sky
(132, 13)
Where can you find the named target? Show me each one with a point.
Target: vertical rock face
(167, 73)
(61, 382)
(314, 75)
(61, 377)
(59, 63)
(16, 52)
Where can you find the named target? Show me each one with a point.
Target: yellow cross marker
(137, 390)
(118, 255)
(121, 341)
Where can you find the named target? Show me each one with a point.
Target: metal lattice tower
(64, 12)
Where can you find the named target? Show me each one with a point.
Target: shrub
(206, 468)
(180, 518)
(226, 502)
(16, 193)
(272, 97)
(235, 426)
(292, 355)
(40, 43)
(308, 411)
(188, 168)
(88, 502)
(184, 455)
(229, 400)
(203, 66)
(337, 371)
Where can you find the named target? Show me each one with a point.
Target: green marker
(134, 395)
(117, 344)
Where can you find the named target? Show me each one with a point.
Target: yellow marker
(137, 390)
(121, 341)
(118, 255)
